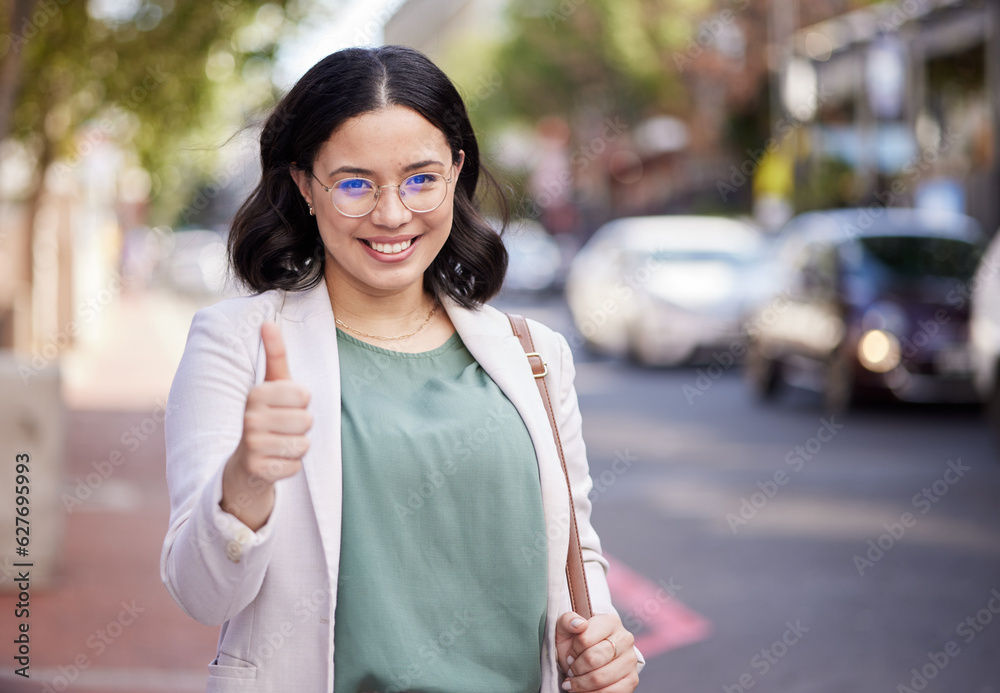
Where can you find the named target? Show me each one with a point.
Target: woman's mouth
(388, 248)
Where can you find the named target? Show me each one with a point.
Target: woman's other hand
(597, 655)
(273, 442)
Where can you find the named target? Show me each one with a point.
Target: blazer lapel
(310, 333)
(489, 339)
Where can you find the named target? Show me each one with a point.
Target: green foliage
(148, 78)
(583, 61)
(563, 56)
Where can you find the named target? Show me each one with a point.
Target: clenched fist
(596, 655)
(274, 440)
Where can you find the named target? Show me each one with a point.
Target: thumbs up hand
(274, 440)
(276, 365)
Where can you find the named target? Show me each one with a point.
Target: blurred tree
(634, 60)
(16, 12)
(564, 55)
(144, 74)
(639, 56)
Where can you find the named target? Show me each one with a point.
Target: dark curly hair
(275, 244)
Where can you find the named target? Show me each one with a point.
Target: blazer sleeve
(575, 451)
(212, 564)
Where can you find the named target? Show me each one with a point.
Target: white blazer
(274, 591)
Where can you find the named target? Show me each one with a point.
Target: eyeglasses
(356, 197)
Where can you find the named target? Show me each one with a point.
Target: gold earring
(312, 213)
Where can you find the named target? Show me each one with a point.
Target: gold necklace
(402, 336)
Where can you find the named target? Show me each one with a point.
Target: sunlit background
(766, 227)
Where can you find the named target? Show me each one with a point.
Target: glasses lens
(354, 196)
(423, 192)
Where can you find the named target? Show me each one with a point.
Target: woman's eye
(353, 186)
(421, 180)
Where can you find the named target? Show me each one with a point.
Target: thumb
(570, 624)
(274, 353)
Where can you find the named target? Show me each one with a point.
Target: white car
(984, 329)
(665, 290)
(196, 262)
(534, 257)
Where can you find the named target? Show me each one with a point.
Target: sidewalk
(108, 625)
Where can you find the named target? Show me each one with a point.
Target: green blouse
(439, 586)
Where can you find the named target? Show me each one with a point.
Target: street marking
(666, 623)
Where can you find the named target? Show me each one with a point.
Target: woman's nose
(389, 208)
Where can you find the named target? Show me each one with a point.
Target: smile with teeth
(389, 248)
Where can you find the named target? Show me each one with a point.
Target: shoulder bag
(577, 579)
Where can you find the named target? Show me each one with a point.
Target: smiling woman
(357, 98)
(393, 545)
(374, 242)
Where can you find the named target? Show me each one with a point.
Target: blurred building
(893, 104)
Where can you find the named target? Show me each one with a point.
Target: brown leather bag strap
(579, 594)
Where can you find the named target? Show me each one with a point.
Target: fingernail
(570, 659)
(567, 686)
(569, 672)
(577, 622)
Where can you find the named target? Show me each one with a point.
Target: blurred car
(664, 289)
(535, 260)
(869, 306)
(984, 328)
(196, 262)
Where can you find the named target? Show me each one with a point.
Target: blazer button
(234, 550)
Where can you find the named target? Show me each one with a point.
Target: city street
(828, 554)
(812, 183)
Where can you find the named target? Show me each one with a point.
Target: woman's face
(385, 146)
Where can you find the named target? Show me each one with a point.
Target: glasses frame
(378, 192)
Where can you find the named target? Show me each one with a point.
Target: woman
(378, 507)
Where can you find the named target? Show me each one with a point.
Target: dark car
(870, 305)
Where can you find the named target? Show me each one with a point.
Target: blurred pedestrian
(365, 490)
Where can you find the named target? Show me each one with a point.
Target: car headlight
(878, 351)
